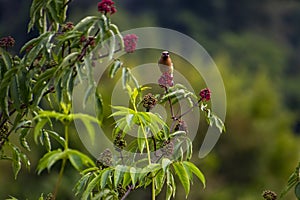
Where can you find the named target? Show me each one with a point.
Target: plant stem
(61, 172)
(59, 178)
(66, 136)
(149, 160)
(153, 189)
(147, 144)
(127, 192)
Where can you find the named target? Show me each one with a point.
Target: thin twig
(130, 188)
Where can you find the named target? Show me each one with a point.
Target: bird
(165, 63)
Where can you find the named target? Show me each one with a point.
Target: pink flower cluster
(205, 94)
(130, 42)
(166, 80)
(107, 6)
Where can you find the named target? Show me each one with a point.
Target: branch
(130, 188)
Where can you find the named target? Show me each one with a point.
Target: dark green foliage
(36, 92)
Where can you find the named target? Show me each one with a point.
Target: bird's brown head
(165, 54)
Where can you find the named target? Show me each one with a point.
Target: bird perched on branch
(165, 63)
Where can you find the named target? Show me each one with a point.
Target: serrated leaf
(45, 140)
(16, 161)
(126, 179)
(189, 149)
(38, 128)
(79, 160)
(118, 173)
(183, 176)
(159, 181)
(133, 175)
(91, 185)
(90, 128)
(165, 163)
(81, 184)
(50, 159)
(25, 160)
(56, 136)
(104, 176)
(191, 166)
(22, 138)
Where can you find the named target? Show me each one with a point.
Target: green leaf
(118, 173)
(50, 159)
(22, 138)
(89, 125)
(112, 44)
(14, 91)
(45, 140)
(169, 192)
(133, 175)
(125, 77)
(85, 23)
(87, 94)
(135, 81)
(91, 185)
(165, 163)
(114, 68)
(68, 60)
(38, 128)
(297, 190)
(141, 139)
(178, 151)
(183, 176)
(23, 87)
(82, 183)
(16, 160)
(25, 160)
(79, 160)
(189, 149)
(159, 181)
(116, 31)
(56, 136)
(99, 106)
(104, 176)
(292, 181)
(178, 134)
(126, 179)
(41, 85)
(171, 186)
(6, 57)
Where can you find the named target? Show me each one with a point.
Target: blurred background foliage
(256, 46)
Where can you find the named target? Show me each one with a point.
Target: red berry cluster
(166, 80)
(130, 42)
(205, 94)
(107, 6)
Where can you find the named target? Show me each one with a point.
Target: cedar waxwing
(165, 63)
